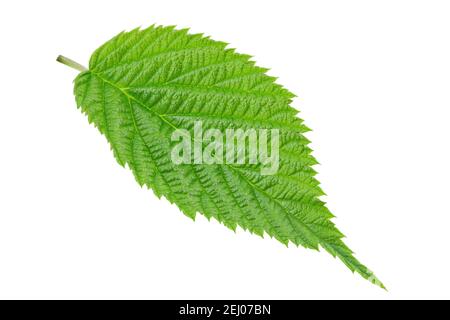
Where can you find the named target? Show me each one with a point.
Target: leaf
(142, 85)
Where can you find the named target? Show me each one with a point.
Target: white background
(373, 80)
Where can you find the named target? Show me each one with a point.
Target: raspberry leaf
(143, 85)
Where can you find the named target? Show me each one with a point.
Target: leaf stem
(70, 63)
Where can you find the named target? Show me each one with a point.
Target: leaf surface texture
(143, 84)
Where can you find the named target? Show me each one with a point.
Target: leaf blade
(144, 84)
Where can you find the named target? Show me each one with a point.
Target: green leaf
(142, 85)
